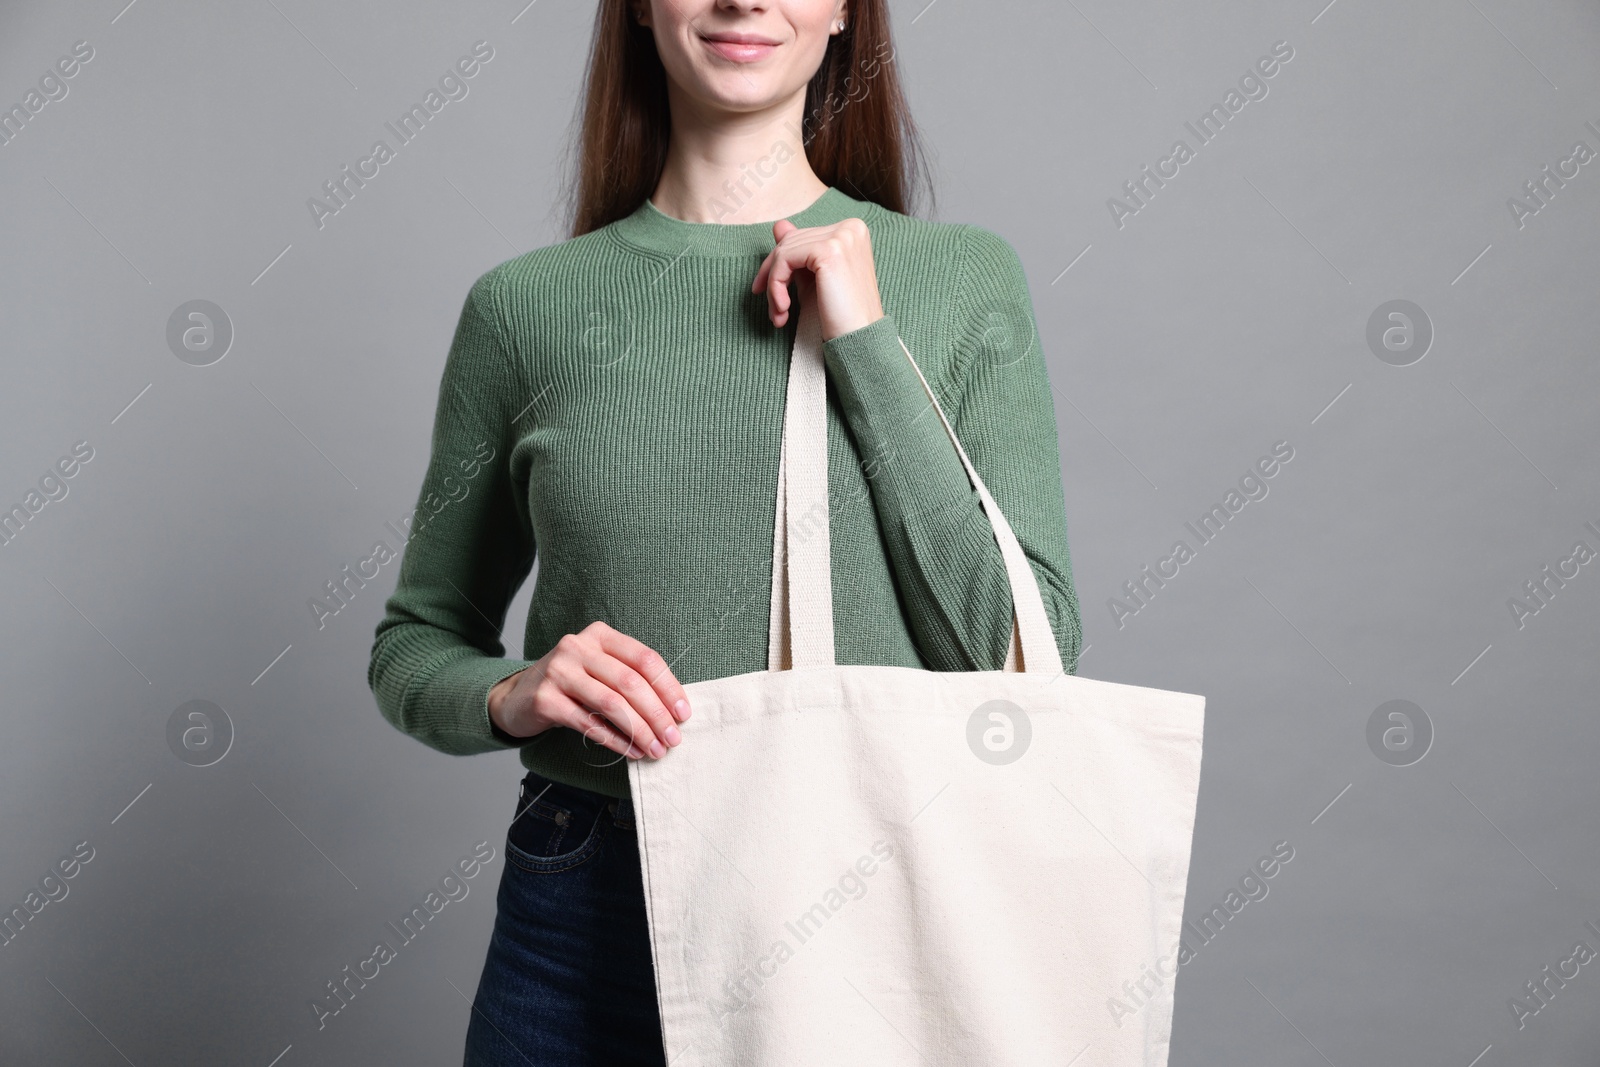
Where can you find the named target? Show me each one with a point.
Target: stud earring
(841, 25)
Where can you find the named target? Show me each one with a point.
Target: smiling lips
(739, 47)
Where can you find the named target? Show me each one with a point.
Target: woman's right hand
(606, 685)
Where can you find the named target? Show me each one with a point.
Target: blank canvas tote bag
(887, 866)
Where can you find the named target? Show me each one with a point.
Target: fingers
(799, 285)
(615, 689)
(800, 254)
(777, 270)
(641, 698)
(649, 665)
(597, 731)
(572, 676)
(780, 229)
(778, 299)
(561, 710)
(842, 253)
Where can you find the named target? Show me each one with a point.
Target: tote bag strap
(800, 628)
(800, 632)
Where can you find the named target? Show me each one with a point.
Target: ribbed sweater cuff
(458, 698)
(909, 459)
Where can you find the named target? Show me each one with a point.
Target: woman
(614, 404)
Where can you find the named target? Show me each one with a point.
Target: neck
(736, 168)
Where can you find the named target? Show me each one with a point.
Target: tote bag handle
(800, 632)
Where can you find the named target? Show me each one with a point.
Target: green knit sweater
(612, 406)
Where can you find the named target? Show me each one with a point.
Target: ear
(640, 9)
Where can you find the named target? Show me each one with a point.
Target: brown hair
(858, 133)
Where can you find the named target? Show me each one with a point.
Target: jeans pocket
(557, 826)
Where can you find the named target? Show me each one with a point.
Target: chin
(740, 91)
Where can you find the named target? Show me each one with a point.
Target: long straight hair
(858, 132)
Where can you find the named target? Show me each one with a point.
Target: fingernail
(673, 736)
(656, 750)
(682, 708)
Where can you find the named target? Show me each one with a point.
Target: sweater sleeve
(437, 650)
(997, 397)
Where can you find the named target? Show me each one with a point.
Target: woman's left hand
(839, 258)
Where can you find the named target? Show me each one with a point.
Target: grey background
(1228, 314)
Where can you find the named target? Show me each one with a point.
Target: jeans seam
(556, 864)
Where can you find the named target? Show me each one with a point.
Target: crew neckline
(651, 229)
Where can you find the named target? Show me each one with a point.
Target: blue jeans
(568, 980)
